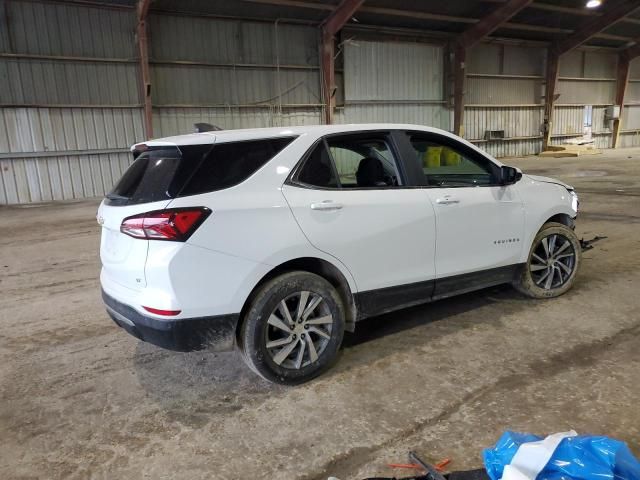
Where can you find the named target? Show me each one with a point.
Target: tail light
(166, 313)
(175, 224)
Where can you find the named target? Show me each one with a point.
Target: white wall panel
(631, 139)
(632, 94)
(232, 41)
(631, 117)
(503, 91)
(176, 121)
(568, 120)
(586, 92)
(49, 82)
(397, 82)
(430, 115)
(207, 86)
(66, 177)
(517, 148)
(71, 30)
(63, 129)
(515, 121)
(393, 71)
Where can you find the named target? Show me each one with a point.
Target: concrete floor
(82, 399)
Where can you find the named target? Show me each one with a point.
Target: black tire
(536, 285)
(257, 330)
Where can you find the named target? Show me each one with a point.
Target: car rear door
(144, 187)
(376, 226)
(479, 223)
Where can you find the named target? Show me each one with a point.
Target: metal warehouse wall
(630, 134)
(505, 90)
(586, 78)
(504, 87)
(394, 82)
(233, 74)
(70, 103)
(66, 121)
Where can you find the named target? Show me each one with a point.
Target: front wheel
(293, 328)
(552, 263)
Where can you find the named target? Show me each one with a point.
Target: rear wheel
(293, 328)
(552, 263)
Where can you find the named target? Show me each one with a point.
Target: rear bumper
(183, 335)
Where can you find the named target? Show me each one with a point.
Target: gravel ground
(82, 399)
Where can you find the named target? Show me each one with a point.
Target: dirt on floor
(82, 399)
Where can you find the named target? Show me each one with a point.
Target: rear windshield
(163, 173)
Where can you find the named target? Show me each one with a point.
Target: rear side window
(361, 160)
(168, 172)
(318, 169)
(228, 164)
(148, 179)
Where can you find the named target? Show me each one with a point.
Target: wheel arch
(537, 220)
(562, 218)
(320, 267)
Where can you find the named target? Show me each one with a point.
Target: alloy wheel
(298, 330)
(552, 262)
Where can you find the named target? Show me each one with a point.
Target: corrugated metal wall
(504, 88)
(70, 104)
(630, 133)
(586, 78)
(65, 122)
(233, 74)
(394, 82)
(505, 91)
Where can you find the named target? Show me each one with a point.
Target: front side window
(351, 161)
(445, 165)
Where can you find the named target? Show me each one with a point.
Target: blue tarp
(581, 457)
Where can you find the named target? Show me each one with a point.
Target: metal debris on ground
(588, 244)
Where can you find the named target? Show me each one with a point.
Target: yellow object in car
(450, 157)
(431, 157)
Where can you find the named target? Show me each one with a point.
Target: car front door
(351, 201)
(479, 223)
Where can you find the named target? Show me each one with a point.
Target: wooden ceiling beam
(596, 26)
(414, 14)
(340, 16)
(490, 23)
(583, 12)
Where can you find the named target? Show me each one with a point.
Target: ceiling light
(594, 3)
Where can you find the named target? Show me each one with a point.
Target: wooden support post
(328, 76)
(622, 81)
(459, 77)
(145, 75)
(466, 40)
(553, 63)
(330, 27)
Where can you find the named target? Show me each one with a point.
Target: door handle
(446, 200)
(326, 205)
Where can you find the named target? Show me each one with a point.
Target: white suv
(278, 240)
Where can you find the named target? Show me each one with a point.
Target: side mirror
(509, 175)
